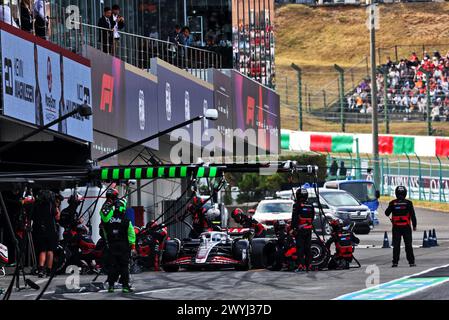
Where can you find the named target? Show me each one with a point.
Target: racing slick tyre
(257, 252)
(320, 254)
(242, 252)
(272, 257)
(170, 253)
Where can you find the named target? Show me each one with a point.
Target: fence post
(396, 53)
(409, 173)
(384, 72)
(420, 187)
(299, 75)
(440, 176)
(341, 82)
(429, 120)
(382, 187)
(358, 160)
(286, 90)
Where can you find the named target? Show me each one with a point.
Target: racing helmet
(112, 194)
(121, 205)
(212, 213)
(28, 200)
(336, 224)
(237, 215)
(82, 229)
(151, 224)
(400, 192)
(279, 225)
(302, 194)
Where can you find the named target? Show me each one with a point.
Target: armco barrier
(422, 146)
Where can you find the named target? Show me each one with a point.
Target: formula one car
(213, 250)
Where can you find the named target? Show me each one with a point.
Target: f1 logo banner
(257, 108)
(41, 83)
(107, 93)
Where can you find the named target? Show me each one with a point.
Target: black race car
(213, 250)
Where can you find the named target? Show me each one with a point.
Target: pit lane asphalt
(263, 284)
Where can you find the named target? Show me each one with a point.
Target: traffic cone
(435, 239)
(425, 241)
(431, 240)
(386, 241)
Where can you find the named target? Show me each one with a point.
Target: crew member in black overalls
(200, 223)
(120, 238)
(403, 218)
(302, 226)
(249, 222)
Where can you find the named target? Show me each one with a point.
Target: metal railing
(404, 51)
(131, 48)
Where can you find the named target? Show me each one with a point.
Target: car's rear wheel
(272, 257)
(257, 252)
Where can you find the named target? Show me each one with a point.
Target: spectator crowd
(407, 82)
(30, 17)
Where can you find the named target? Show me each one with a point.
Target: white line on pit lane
(35, 294)
(158, 290)
(405, 277)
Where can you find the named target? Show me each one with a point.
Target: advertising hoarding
(181, 97)
(256, 107)
(19, 78)
(34, 83)
(224, 104)
(141, 105)
(108, 97)
(77, 91)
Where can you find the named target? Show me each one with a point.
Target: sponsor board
(42, 82)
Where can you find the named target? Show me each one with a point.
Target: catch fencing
(426, 179)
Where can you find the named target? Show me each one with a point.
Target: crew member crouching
(344, 241)
(248, 222)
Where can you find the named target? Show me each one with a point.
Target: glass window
(339, 199)
(275, 207)
(361, 191)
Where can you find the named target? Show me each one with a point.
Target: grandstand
(337, 35)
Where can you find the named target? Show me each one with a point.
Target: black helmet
(401, 192)
(302, 194)
(112, 194)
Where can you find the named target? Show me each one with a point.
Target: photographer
(45, 216)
